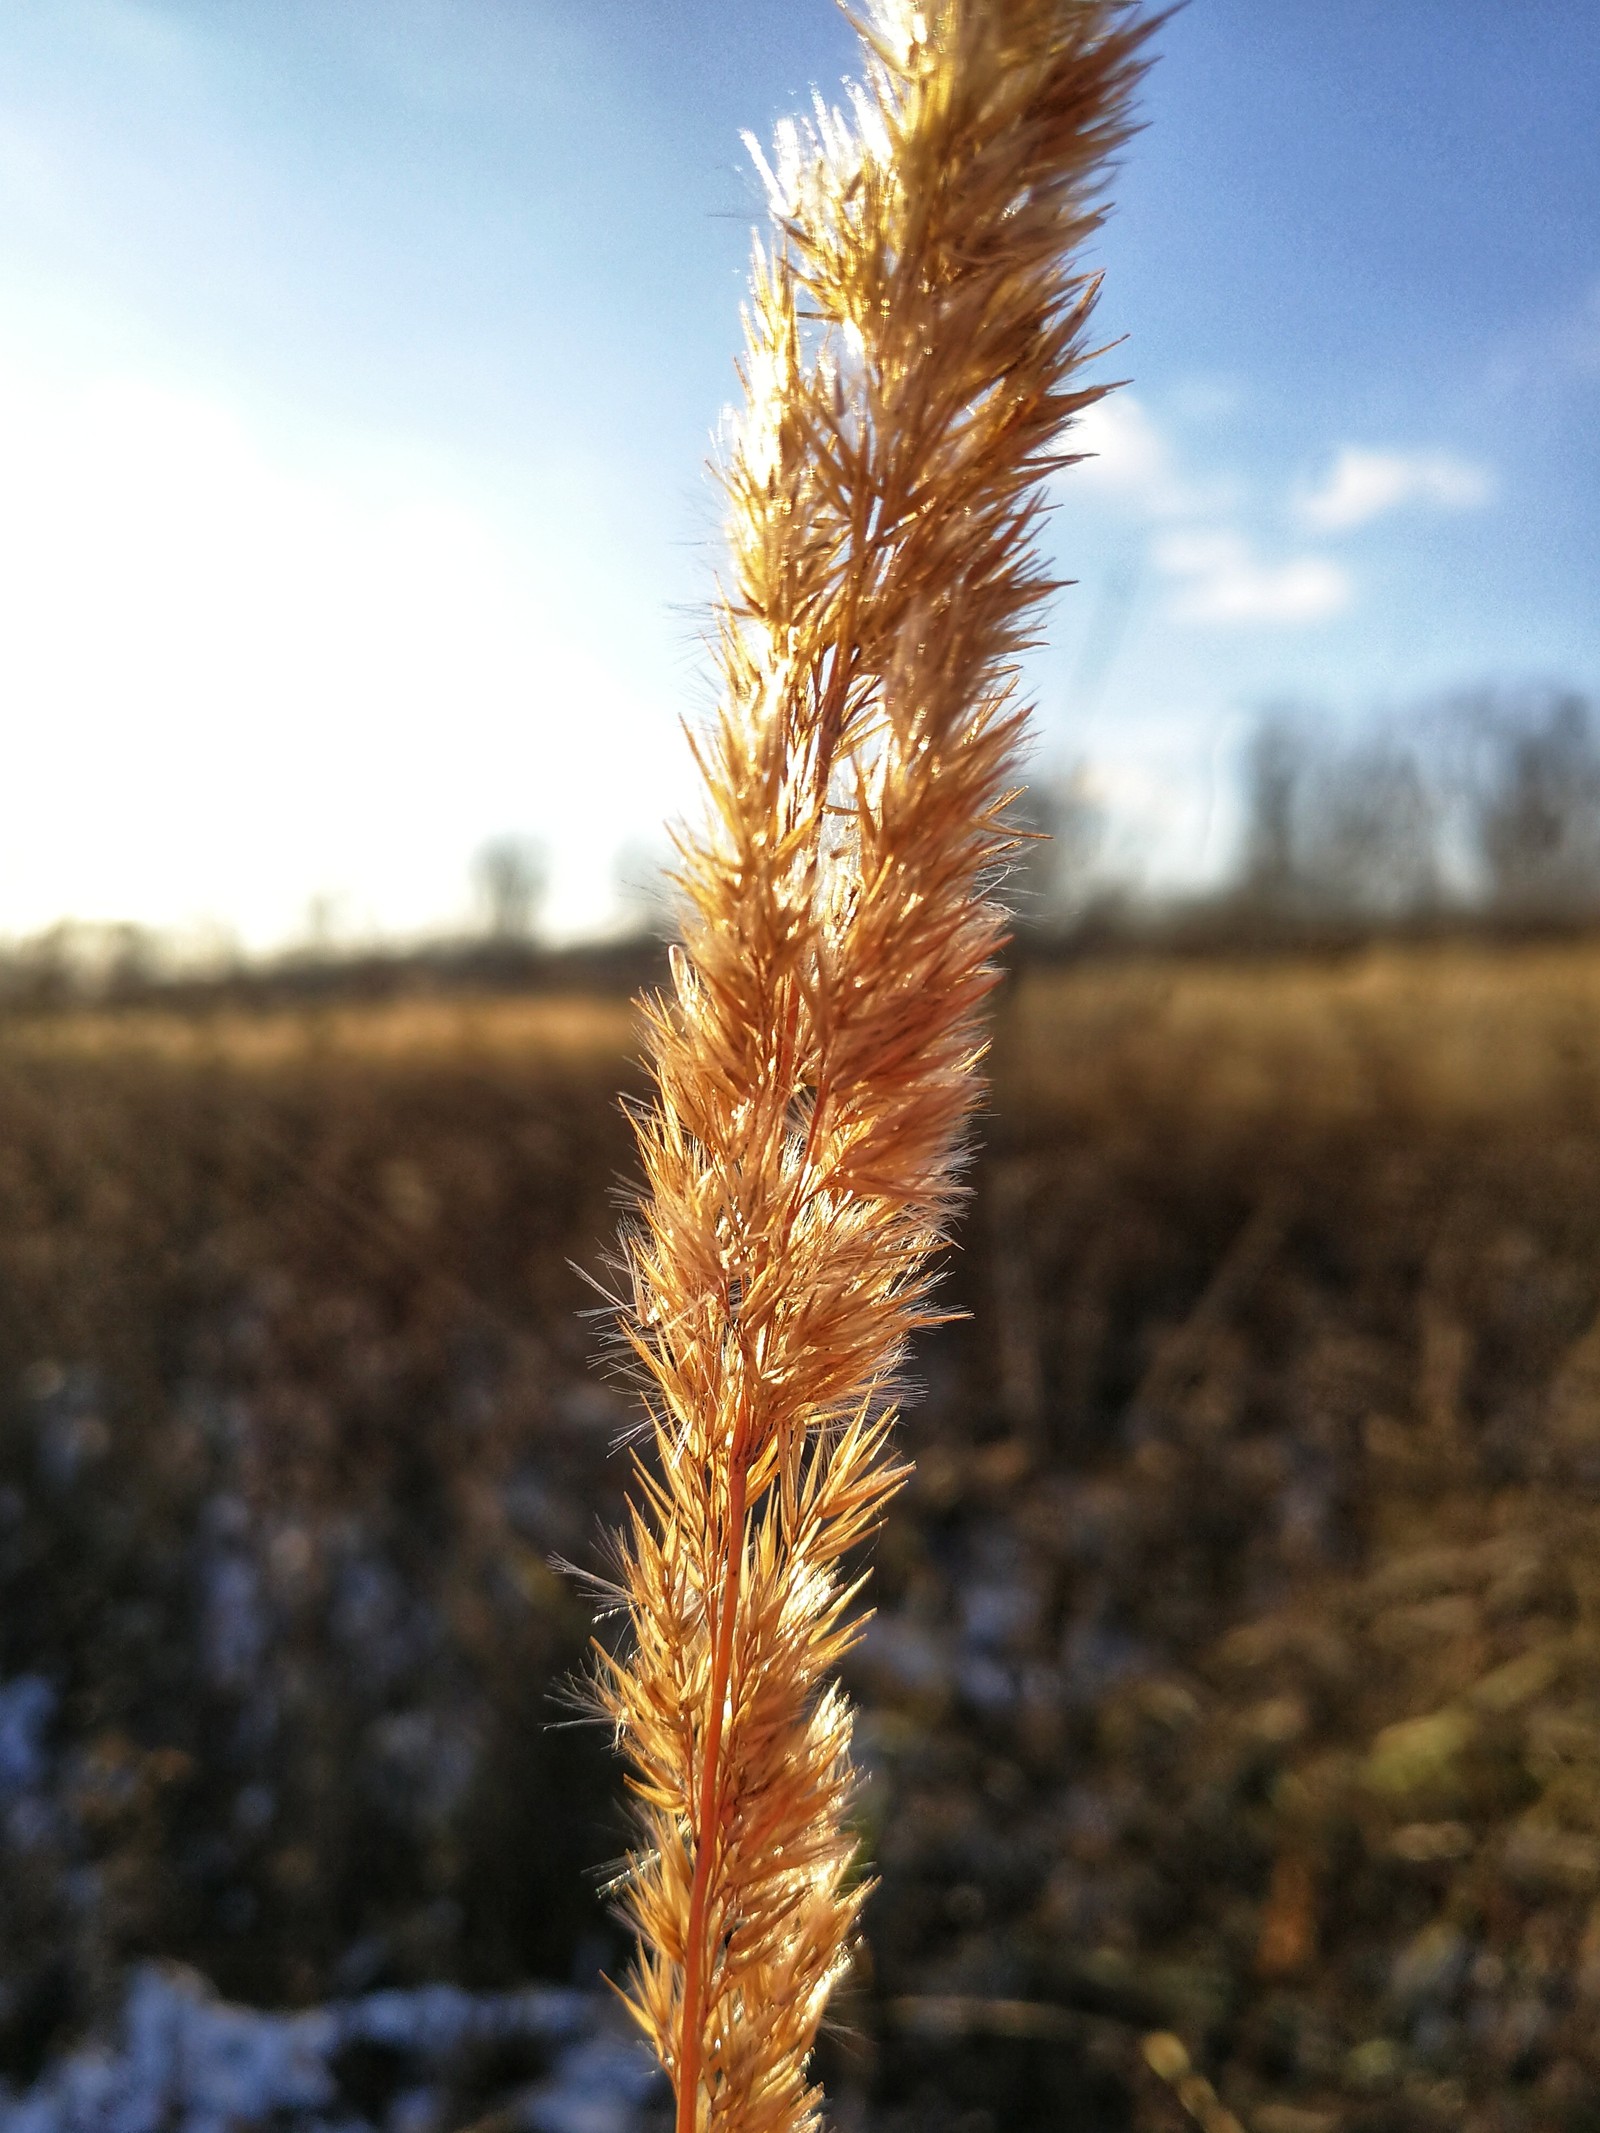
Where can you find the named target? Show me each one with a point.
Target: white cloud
(1130, 460)
(1221, 577)
(1126, 450)
(1223, 580)
(1365, 484)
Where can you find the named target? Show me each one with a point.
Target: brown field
(1237, 1671)
(542, 1031)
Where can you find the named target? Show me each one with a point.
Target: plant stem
(697, 1955)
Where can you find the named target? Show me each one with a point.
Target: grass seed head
(915, 338)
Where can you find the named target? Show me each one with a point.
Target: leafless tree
(510, 877)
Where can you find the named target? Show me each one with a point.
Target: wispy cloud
(1219, 576)
(1224, 580)
(1130, 460)
(1545, 353)
(1578, 341)
(1364, 484)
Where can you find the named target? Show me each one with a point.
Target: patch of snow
(188, 2062)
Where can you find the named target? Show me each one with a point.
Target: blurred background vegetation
(1236, 1671)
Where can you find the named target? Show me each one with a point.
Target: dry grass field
(1236, 1678)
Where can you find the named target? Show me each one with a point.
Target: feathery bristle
(914, 339)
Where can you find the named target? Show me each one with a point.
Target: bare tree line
(1483, 805)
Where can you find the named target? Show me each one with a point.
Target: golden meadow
(1235, 1675)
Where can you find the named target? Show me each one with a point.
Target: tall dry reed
(914, 339)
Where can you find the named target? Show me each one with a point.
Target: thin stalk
(708, 1820)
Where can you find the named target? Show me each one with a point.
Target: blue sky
(359, 364)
